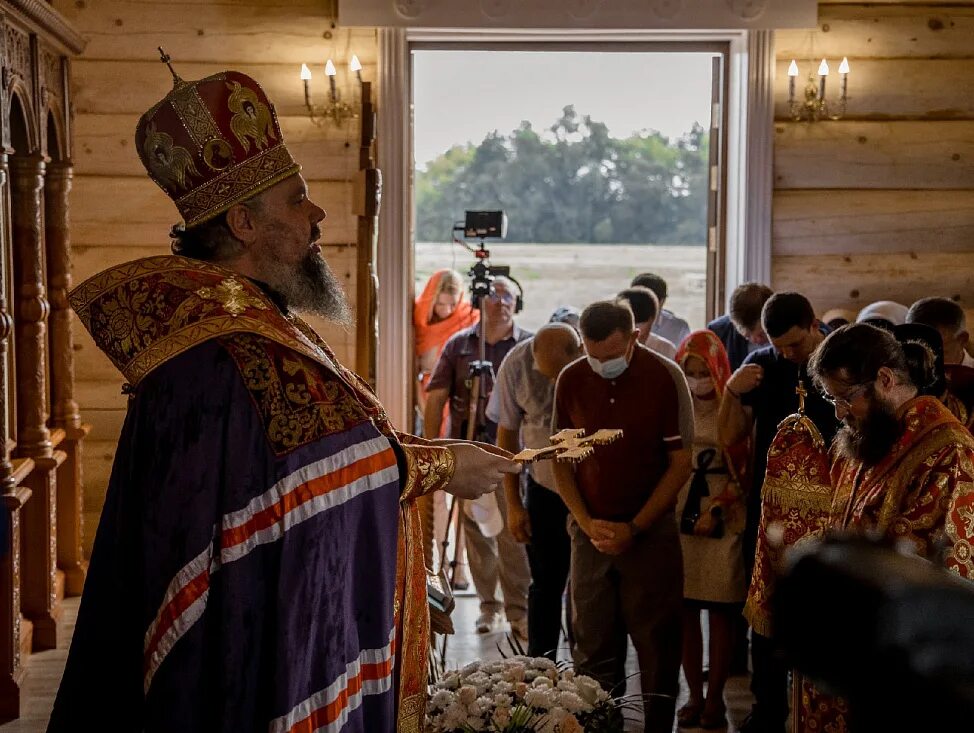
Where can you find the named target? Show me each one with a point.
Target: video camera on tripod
(483, 225)
(477, 225)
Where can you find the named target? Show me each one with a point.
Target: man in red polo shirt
(626, 567)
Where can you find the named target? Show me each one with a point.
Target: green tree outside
(576, 185)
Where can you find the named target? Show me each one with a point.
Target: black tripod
(476, 427)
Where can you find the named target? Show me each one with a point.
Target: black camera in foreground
(485, 225)
(892, 633)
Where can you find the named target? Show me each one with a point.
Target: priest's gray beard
(311, 287)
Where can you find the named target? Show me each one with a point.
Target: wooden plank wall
(879, 205)
(118, 214)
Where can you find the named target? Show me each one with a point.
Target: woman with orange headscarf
(438, 313)
(710, 510)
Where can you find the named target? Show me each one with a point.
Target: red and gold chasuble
(921, 493)
(143, 314)
(795, 502)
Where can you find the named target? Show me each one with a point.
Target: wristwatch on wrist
(635, 529)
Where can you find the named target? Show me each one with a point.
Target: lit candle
(823, 71)
(356, 66)
(306, 78)
(844, 70)
(792, 73)
(330, 71)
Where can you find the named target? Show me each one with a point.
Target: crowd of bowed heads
(635, 542)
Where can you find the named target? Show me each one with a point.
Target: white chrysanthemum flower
(572, 702)
(502, 688)
(588, 689)
(502, 700)
(493, 668)
(537, 698)
(480, 681)
(557, 714)
(454, 717)
(442, 699)
(542, 682)
(449, 682)
(543, 663)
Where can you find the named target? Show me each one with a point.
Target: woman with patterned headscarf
(710, 510)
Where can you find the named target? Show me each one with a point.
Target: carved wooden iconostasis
(42, 432)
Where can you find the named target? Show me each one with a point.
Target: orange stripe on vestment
(304, 493)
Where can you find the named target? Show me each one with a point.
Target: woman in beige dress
(710, 510)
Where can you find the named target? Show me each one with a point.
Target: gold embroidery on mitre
(169, 163)
(232, 296)
(251, 119)
(193, 113)
(217, 154)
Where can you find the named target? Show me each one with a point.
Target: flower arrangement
(521, 695)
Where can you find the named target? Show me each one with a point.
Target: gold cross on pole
(802, 394)
(165, 58)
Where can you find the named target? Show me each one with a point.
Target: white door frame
(747, 248)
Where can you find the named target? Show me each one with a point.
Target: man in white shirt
(645, 309)
(521, 405)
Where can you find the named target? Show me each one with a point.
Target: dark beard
(311, 287)
(878, 431)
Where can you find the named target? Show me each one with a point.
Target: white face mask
(608, 369)
(700, 386)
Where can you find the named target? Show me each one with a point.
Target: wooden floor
(45, 668)
(43, 677)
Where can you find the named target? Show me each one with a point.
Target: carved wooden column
(39, 579)
(13, 495)
(64, 408)
(7, 418)
(31, 307)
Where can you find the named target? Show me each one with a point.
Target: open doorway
(604, 158)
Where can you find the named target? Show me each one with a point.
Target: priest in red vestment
(258, 565)
(903, 466)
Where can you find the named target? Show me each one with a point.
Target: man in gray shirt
(521, 404)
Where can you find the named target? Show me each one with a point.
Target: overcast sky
(460, 96)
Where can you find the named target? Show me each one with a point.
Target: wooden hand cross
(569, 446)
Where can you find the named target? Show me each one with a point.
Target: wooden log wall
(879, 205)
(118, 214)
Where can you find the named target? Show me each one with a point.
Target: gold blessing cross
(569, 446)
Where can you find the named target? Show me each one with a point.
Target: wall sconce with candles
(335, 109)
(815, 106)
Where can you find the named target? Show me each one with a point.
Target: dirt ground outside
(579, 274)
